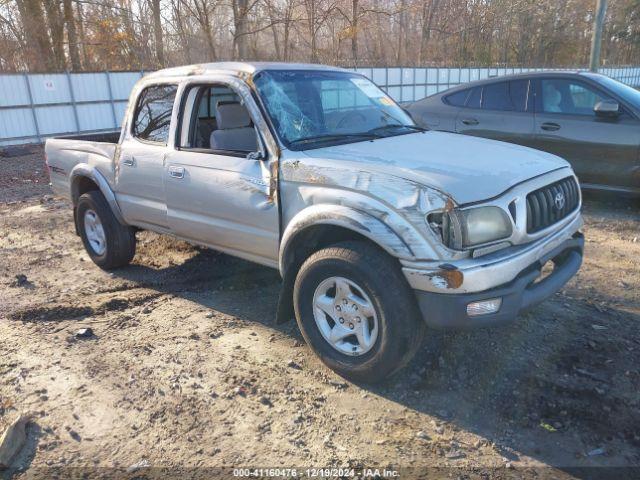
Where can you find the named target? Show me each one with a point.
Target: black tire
(400, 329)
(120, 239)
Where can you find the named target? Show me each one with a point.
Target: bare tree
(157, 31)
(72, 36)
(48, 35)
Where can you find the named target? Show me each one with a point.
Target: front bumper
(449, 310)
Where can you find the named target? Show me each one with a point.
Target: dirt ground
(187, 369)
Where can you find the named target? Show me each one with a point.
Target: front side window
(215, 118)
(311, 109)
(153, 113)
(569, 97)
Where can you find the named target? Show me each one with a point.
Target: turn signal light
(484, 307)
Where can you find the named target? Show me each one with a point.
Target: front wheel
(356, 310)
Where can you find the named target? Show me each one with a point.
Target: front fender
(87, 171)
(346, 217)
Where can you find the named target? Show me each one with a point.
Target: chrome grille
(551, 204)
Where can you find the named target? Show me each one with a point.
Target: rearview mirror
(607, 108)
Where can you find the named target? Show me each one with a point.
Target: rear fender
(83, 170)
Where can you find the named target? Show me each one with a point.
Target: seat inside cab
(222, 122)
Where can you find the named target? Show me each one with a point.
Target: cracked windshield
(312, 109)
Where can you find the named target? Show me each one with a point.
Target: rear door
(500, 111)
(218, 189)
(140, 165)
(602, 151)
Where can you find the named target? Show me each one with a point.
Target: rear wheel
(356, 310)
(109, 243)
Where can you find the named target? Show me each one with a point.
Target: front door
(217, 179)
(140, 165)
(602, 151)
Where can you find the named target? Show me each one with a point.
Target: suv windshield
(312, 109)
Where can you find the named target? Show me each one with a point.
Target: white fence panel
(34, 106)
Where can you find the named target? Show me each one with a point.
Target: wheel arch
(85, 178)
(322, 225)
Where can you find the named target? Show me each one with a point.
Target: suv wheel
(356, 310)
(108, 243)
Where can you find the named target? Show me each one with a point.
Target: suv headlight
(461, 229)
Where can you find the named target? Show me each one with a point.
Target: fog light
(484, 307)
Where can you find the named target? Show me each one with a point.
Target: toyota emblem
(559, 200)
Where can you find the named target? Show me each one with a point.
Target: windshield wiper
(396, 125)
(335, 136)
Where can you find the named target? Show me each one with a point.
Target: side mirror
(607, 109)
(255, 156)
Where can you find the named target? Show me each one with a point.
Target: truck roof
(237, 68)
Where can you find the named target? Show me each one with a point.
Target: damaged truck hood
(469, 169)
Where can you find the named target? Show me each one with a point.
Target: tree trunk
(274, 30)
(211, 44)
(354, 32)
(72, 36)
(427, 23)
(56, 30)
(83, 44)
(311, 19)
(40, 54)
(157, 31)
(182, 32)
(402, 27)
(240, 37)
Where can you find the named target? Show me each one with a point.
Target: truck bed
(101, 137)
(95, 150)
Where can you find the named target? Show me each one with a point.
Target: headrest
(232, 115)
(552, 96)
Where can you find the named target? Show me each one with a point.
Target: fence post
(73, 101)
(415, 82)
(386, 79)
(113, 106)
(33, 108)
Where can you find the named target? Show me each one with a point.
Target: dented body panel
(384, 190)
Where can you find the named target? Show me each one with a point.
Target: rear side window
(153, 113)
(457, 99)
(496, 97)
(518, 90)
(505, 96)
(474, 98)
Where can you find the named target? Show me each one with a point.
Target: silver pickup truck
(378, 227)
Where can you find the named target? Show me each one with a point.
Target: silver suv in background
(378, 227)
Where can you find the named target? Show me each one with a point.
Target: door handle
(128, 161)
(550, 126)
(176, 172)
(470, 121)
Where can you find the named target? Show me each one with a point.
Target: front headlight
(462, 229)
(484, 225)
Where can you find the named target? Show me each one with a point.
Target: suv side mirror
(607, 109)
